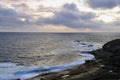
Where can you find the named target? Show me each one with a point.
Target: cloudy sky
(59, 15)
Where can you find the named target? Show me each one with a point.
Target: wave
(9, 71)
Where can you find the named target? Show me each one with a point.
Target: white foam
(21, 77)
(8, 68)
(85, 47)
(9, 71)
(87, 56)
(31, 72)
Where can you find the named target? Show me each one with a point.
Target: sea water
(26, 55)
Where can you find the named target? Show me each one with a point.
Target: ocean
(27, 52)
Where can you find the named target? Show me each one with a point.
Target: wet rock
(76, 41)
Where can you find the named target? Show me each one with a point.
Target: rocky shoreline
(105, 67)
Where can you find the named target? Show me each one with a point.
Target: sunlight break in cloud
(68, 15)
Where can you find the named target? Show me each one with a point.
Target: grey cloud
(115, 23)
(103, 4)
(21, 5)
(9, 17)
(7, 12)
(70, 16)
(70, 7)
(47, 9)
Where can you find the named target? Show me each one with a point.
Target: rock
(106, 66)
(112, 46)
(115, 61)
(76, 41)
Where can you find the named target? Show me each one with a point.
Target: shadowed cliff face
(113, 48)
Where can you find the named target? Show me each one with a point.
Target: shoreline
(92, 70)
(71, 72)
(59, 70)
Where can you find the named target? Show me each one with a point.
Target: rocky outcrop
(113, 48)
(105, 67)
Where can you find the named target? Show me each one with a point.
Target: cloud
(10, 17)
(103, 4)
(18, 1)
(67, 17)
(71, 17)
(47, 9)
(21, 6)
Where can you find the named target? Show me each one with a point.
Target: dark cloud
(70, 16)
(104, 4)
(70, 7)
(9, 17)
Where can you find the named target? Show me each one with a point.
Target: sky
(59, 15)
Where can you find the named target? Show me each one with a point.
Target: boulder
(112, 46)
(77, 41)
